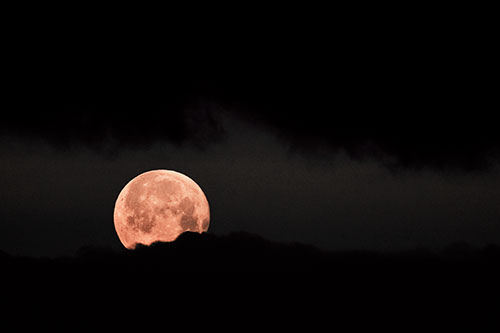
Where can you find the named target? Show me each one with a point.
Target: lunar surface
(159, 205)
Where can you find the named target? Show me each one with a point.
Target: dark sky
(365, 140)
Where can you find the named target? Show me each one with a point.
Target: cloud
(112, 126)
(419, 108)
(411, 119)
(419, 142)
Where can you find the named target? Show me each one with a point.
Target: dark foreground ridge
(216, 275)
(248, 252)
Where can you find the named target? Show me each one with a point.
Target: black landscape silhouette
(221, 273)
(242, 251)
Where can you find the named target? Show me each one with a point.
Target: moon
(159, 205)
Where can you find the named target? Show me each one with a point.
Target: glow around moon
(159, 205)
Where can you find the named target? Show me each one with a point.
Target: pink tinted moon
(159, 205)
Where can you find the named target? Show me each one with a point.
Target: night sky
(354, 144)
(365, 140)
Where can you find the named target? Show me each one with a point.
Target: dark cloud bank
(417, 101)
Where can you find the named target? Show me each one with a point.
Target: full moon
(159, 205)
